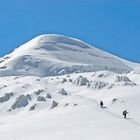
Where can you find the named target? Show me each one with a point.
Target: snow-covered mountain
(51, 88)
(50, 54)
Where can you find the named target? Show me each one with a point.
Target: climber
(101, 104)
(125, 113)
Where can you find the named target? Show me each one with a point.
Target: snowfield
(51, 88)
(62, 108)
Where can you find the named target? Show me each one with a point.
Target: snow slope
(51, 114)
(51, 88)
(50, 55)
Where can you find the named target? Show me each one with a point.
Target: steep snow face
(50, 55)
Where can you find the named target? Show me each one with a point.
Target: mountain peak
(59, 39)
(53, 54)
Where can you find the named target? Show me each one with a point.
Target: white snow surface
(72, 116)
(51, 88)
(51, 55)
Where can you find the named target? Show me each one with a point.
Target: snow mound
(32, 107)
(54, 104)
(103, 80)
(38, 92)
(6, 97)
(81, 81)
(124, 81)
(99, 85)
(21, 101)
(48, 96)
(41, 99)
(63, 92)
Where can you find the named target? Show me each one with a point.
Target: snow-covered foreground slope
(67, 107)
(50, 55)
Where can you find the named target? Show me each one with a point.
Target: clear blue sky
(111, 25)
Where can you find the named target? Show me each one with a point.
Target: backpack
(125, 112)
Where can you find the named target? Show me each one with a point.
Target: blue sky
(111, 25)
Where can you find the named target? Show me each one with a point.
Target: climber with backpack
(125, 113)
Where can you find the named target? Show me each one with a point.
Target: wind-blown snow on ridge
(51, 54)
